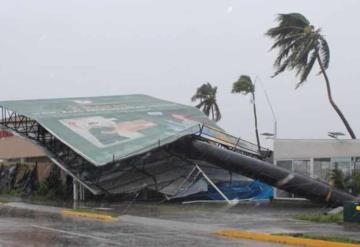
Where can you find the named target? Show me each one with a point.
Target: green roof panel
(103, 128)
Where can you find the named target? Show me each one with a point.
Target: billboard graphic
(101, 128)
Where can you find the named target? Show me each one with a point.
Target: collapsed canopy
(102, 129)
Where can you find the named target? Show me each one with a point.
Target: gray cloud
(168, 48)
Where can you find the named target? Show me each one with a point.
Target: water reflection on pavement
(19, 227)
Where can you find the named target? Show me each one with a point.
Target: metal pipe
(283, 179)
(213, 185)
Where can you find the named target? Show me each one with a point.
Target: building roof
(102, 129)
(14, 147)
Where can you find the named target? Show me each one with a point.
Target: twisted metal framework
(75, 165)
(236, 144)
(87, 173)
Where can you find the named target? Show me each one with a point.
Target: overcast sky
(168, 48)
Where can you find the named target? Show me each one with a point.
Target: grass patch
(48, 198)
(95, 211)
(337, 239)
(322, 218)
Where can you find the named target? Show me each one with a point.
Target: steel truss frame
(74, 163)
(232, 143)
(83, 170)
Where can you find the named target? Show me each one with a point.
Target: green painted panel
(103, 128)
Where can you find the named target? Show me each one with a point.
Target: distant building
(18, 150)
(316, 158)
(15, 149)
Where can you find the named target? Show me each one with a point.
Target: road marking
(288, 240)
(76, 234)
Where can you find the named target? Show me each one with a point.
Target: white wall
(315, 148)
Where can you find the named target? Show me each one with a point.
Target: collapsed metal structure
(165, 166)
(258, 169)
(68, 160)
(96, 179)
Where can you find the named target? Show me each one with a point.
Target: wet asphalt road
(19, 227)
(156, 225)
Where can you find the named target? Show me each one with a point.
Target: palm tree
(208, 104)
(301, 45)
(353, 184)
(337, 179)
(244, 85)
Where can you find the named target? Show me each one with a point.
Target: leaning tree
(244, 85)
(300, 46)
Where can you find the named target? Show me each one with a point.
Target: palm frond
(297, 41)
(243, 85)
(288, 24)
(307, 69)
(292, 20)
(206, 94)
(202, 92)
(206, 109)
(285, 50)
(285, 42)
(286, 64)
(324, 52)
(200, 105)
(301, 59)
(217, 112)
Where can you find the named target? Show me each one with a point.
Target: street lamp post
(271, 108)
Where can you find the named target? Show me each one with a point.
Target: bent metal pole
(298, 184)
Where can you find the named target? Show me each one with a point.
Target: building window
(286, 164)
(322, 168)
(356, 162)
(302, 167)
(342, 164)
(298, 166)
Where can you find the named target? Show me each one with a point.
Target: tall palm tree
(206, 94)
(244, 85)
(300, 46)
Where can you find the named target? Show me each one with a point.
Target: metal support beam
(78, 191)
(75, 190)
(213, 185)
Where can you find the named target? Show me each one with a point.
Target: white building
(316, 158)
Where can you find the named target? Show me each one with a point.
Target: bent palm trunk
(336, 108)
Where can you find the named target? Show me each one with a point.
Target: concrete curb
(94, 216)
(64, 212)
(265, 237)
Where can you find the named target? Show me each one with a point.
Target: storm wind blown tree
(244, 85)
(300, 46)
(206, 94)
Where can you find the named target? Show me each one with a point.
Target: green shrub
(353, 184)
(52, 188)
